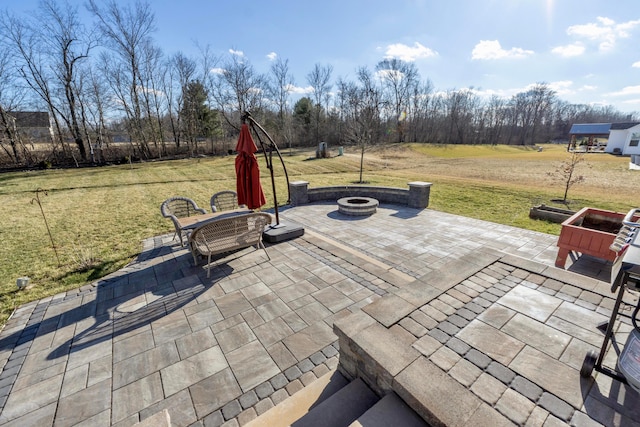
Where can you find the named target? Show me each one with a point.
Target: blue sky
(586, 50)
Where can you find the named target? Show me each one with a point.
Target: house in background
(624, 139)
(590, 137)
(614, 138)
(33, 126)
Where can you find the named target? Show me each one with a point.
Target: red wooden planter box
(590, 231)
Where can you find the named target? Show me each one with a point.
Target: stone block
(389, 309)
(491, 341)
(419, 194)
(536, 366)
(465, 372)
(352, 324)
(419, 293)
(158, 420)
(532, 266)
(487, 416)
(299, 192)
(556, 406)
(436, 397)
(488, 388)
(515, 406)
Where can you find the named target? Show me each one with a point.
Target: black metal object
(594, 360)
(625, 274)
(277, 232)
(270, 148)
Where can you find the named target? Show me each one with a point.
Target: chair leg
(179, 234)
(208, 266)
(261, 245)
(195, 256)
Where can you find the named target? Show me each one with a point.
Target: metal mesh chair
(224, 201)
(179, 207)
(228, 234)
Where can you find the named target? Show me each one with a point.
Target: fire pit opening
(359, 206)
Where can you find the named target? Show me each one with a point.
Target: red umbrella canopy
(248, 184)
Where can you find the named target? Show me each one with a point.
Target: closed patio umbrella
(248, 184)
(276, 232)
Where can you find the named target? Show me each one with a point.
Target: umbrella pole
(286, 232)
(273, 184)
(269, 159)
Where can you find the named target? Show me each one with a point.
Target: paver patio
(158, 334)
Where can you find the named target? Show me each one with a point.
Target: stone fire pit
(357, 206)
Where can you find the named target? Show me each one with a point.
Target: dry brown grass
(605, 175)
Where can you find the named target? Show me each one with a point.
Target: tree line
(112, 94)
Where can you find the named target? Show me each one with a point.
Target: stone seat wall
(416, 196)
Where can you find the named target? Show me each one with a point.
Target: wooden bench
(228, 234)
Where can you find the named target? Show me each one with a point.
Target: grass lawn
(99, 216)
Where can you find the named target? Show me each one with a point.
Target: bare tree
(422, 114)
(566, 172)
(68, 45)
(238, 88)
(10, 99)
(459, 106)
(399, 79)
(541, 99)
(152, 96)
(495, 113)
(319, 79)
(179, 70)
(48, 50)
(208, 62)
(280, 87)
(529, 110)
(127, 32)
(94, 109)
(361, 104)
(186, 68)
(171, 93)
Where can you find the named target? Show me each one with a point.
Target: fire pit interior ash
(358, 206)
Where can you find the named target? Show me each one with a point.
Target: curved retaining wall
(417, 196)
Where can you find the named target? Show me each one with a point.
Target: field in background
(99, 216)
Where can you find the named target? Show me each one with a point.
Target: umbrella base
(281, 232)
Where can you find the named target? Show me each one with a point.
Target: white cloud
(144, 89)
(575, 49)
(300, 90)
(625, 28)
(605, 32)
(236, 52)
(408, 53)
(488, 93)
(390, 74)
(217, 70)
(627, 90)
(562, 87)
(272, 56)
(636, 64)
(491, 49)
